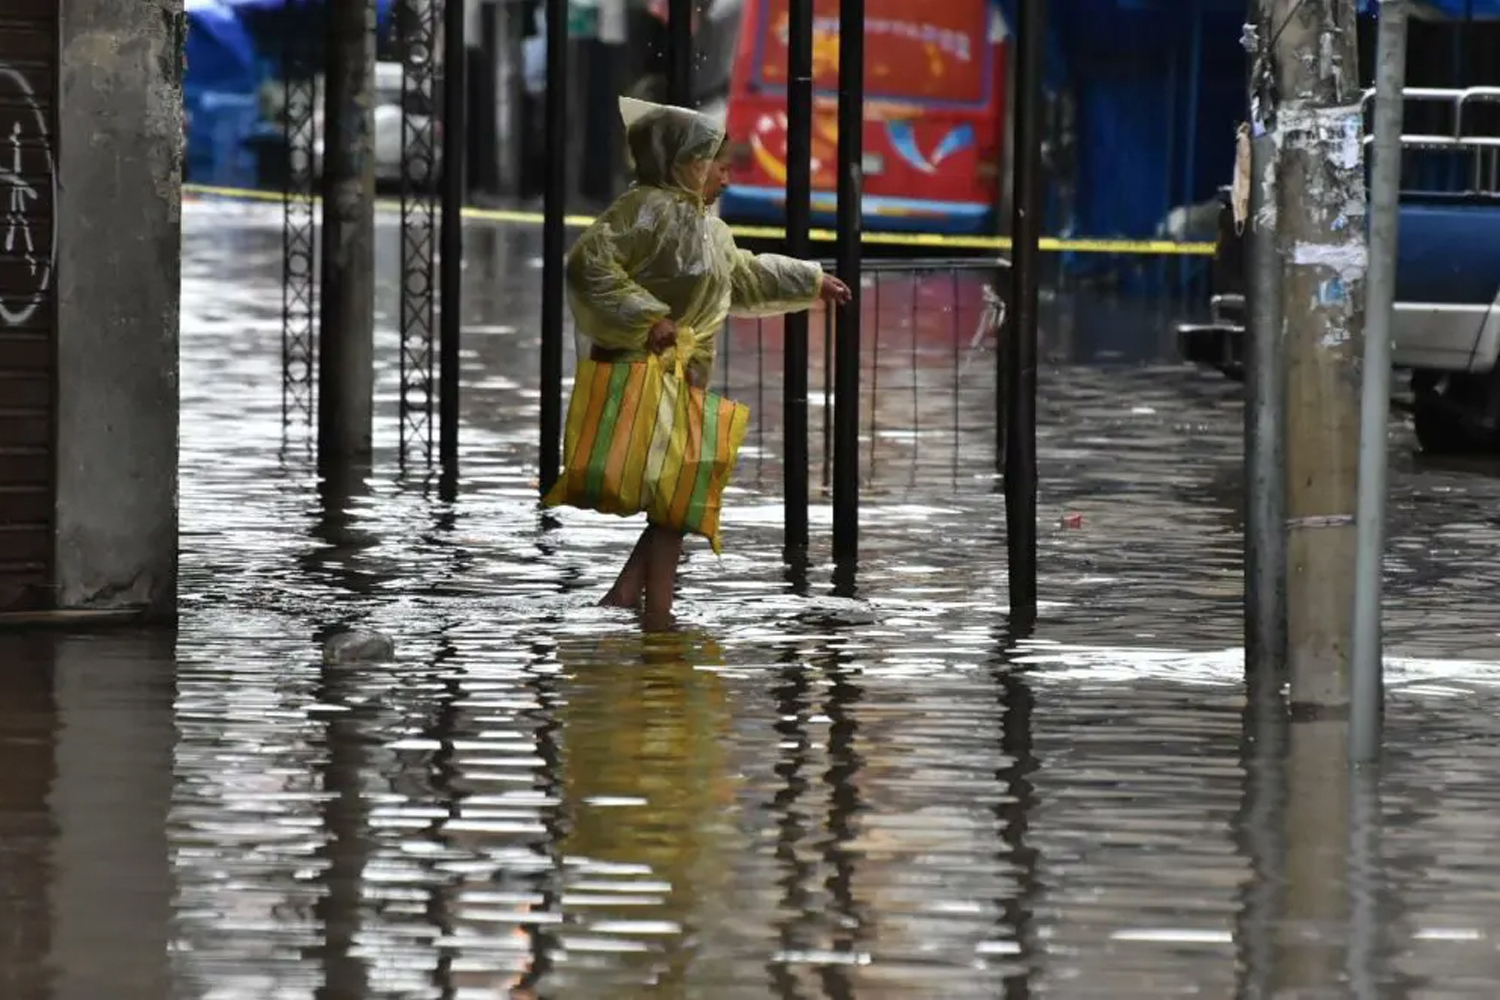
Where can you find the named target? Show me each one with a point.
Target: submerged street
(797, 795)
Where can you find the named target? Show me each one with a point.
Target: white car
(388, 126)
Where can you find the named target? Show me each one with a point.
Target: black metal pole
(555, 194)
(604, 138)
(829, 315)
(799, 98)
(450, 278)
(850, 218)
(1003, 363)
(1020, 422)
(484, 103)
(680, 53)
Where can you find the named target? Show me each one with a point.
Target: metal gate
(28, 85)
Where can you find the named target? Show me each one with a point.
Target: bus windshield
(932, 53)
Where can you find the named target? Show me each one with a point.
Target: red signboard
(936, 51)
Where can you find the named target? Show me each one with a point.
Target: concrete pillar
(118, 238)
(346, 345)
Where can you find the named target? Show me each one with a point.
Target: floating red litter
(1072, 521)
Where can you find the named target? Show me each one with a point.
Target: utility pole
(346, 346)
(1319, 121)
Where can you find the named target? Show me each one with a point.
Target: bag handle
(682, 351)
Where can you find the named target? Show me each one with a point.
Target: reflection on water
(797, 796)
(86, 884)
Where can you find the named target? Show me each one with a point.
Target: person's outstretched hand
(662, 336)
(834, 291)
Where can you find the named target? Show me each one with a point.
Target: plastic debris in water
(358, 646)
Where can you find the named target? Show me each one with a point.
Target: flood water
(797, 795)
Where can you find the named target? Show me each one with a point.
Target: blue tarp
(220, 54)
(382, 7)
(1159, 86)
(1459, 10)
(1149, 101)
(219, 94)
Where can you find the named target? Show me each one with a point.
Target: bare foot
(614, 600)
(658, 622)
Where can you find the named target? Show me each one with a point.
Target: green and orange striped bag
(640, 439)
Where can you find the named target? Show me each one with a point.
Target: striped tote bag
(640, 439)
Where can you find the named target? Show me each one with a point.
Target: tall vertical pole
(1020, 389)
(680, 53)
(1375, 405)
(604, 138)
(851, 118)
(1319, 124)
(1195, 90)
(1265, 379)
(483, 75)
(510, 122)
(555, 195)
(450, 278)
(1190, 133)
(799, 102)
(346, 356)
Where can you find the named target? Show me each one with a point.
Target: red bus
(934, 107)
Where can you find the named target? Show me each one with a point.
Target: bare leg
(626, 593)
(662, 557)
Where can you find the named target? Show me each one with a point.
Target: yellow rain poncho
(657, 253)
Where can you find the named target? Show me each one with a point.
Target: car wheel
(1448, 414)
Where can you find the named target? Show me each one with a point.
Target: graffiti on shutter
(25, 172)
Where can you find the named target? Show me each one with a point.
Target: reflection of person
(656, 260)
(650, 785)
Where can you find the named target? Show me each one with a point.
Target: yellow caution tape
(923, 241)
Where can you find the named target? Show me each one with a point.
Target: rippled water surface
(797, 795)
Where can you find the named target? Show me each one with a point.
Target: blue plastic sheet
(382, 7)
(1145, 142)
(1456, 9)
(220, 54)
(1153, 130)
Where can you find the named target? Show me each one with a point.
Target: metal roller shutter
(28, 85)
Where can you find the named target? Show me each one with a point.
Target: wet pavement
(798, 795)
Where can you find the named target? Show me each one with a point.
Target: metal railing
(1457, 149)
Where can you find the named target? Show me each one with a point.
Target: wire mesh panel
(930, 406)
(928, 378)
(419, 171)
